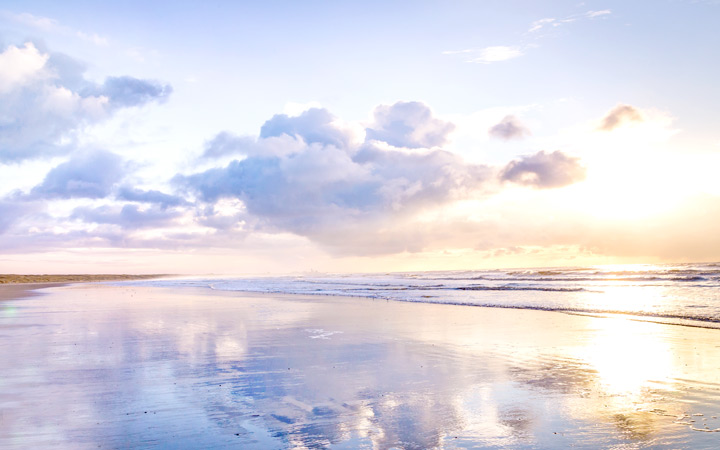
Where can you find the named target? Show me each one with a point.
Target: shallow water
(90, 367)
(686, 293)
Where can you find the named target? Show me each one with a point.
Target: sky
(282, 136)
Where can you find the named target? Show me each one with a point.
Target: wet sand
(90, 366)
(21, 290)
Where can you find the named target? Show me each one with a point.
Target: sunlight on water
(223, 369)
(672, 292)
(628, 357)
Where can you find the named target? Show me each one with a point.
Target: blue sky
(354, 136)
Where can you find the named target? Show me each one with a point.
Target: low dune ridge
(72, 278)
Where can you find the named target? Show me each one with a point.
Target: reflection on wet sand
(96, 366)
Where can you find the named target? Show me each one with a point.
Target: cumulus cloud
(225, 144)
(45, 99)
(91, 175)
(127, 216)
(152, 196)
(329, 186)
(544, 170)
(346, 204)
(508, 128)
(619, 116)
(316, 125)
(408, 124)
(125, 91)
(20, 66)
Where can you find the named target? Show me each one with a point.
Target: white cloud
(20, 66)
(539, 24)
(49, 25)
(45, 101)
(497, 53)
(92, 37)
(553, 22)
(42, 23)
(593, 14)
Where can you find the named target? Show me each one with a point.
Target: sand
(91, 366)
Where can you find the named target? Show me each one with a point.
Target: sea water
(687, 294)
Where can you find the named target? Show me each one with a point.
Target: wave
(671, 293)
(520, 288)
(581, 279)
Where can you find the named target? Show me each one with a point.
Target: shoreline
(14, 286)
(73, 278)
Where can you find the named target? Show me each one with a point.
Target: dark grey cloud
(128, 216)
(152, 196)
(91, 175)
(316, 125)
(40, 111)
(620, 115)
(409, 125)
(509, 128)
(544, 170)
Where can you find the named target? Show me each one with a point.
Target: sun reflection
(629, 357)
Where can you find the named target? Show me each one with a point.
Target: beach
(99, 366)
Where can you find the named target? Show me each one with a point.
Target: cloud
(316, 125)
(20, 66)
(128, 216)
(544, 170)
(409, 125)
(508, 128)
(497, 53)
(594, 14)
(336, 192)
(620, 115)
(12, 212)
(224, 144)
(553, 22)
(349, 205)
(488, 55)
(539, 24)
(53, 26)
(45, 101)
(90, 175)
(151, 196)
(126, 91)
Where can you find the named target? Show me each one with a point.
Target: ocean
(683, 294)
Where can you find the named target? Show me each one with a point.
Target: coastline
(14, 286)
(119, 366)
(72, 278)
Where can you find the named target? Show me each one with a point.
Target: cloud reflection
(225, 370)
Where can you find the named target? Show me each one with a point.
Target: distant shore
(75, 278)
(13, 286)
